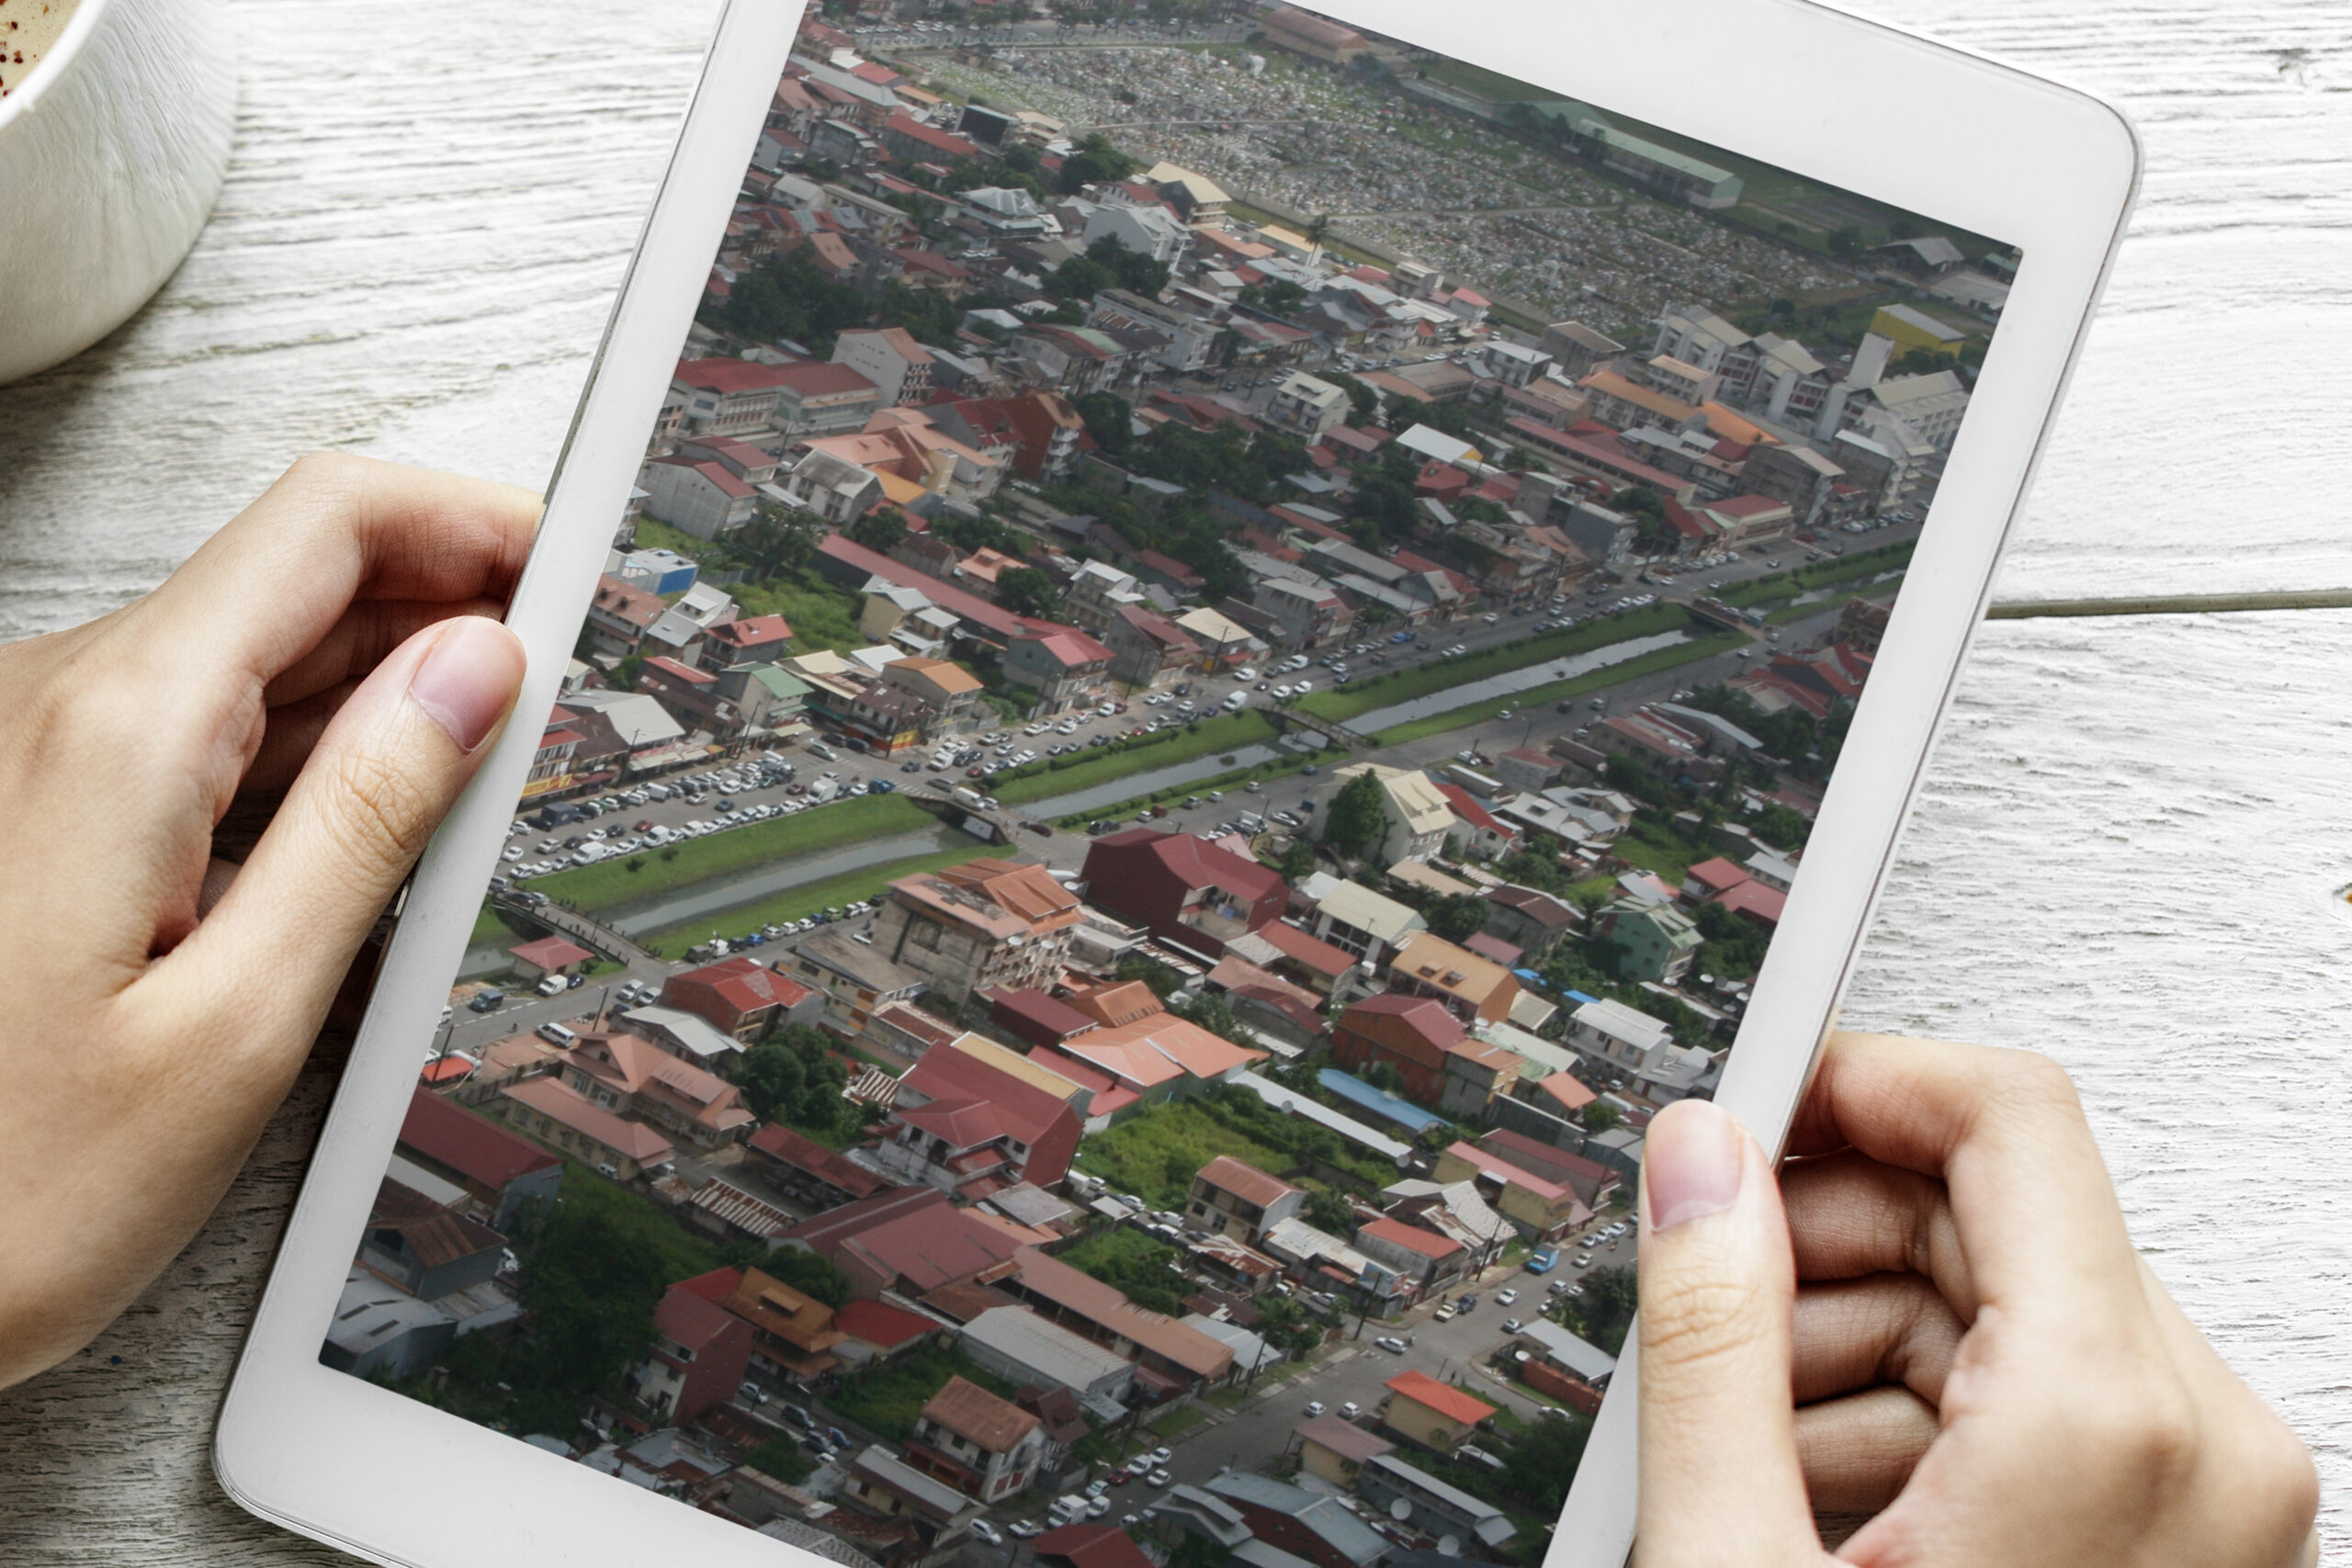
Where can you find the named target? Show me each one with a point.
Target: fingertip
(1694, 1164)
(467, 678)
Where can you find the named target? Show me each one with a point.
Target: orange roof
(1119, 1002)
(1246, 1181)
(1160, 1049)
(978, 1417)
(1441, 1398)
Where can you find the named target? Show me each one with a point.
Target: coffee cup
(112, 152)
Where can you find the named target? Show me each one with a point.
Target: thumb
(1719, 1478)
(381, 776)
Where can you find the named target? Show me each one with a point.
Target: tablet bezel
(2042, 165)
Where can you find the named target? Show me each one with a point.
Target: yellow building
(1435, 1414)
(1335, 1450)
(1913, 329)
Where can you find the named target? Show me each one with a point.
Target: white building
(1626, 1039)
(1308, 405)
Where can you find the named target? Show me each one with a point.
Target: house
(987, 1448)
(1170, 1359)
(948, 689)
(1311, 1525)
(1590, 1180)
(1477, 833)
(1186, 890)
(1411, 1496)
(1425, 1260)
(939, 1517)
(728, 396)
(685, 1036)
(1065, 667)
(1558, 1363)
(632, 1076)
(806, 1171)
(499, 1171)
(1423, 1043)
(1333, 1448)
(962, 1124)
(1659, 942)
(550, 955)
(1022, 1348)
(1417, 818)
(1453, 1209)
(1542, 1209)
(557, 1114)
(1162, 1057)
(1153, 231)
(1627, 1040)
(1435, 1415)
(1231, 1198)
(877, 1332)
(891, 359)
(698, 498)
(379, 1330)
(1470, 986)
(742, 997)
(1090, 1543)
(619, 616)
(1534, 922)
(1306, 406)
(1359, 922)
(416, 1239)
(978, 926)
(1148, 649)
(857, 980)
(698, 1355)
(911, 1240)
(759, 639)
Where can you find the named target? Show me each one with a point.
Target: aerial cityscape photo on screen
(1209, 694)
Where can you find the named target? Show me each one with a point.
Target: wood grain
(2126, 848)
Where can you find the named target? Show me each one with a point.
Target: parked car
(1391, 1344)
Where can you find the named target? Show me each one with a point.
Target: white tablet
(1034, 462)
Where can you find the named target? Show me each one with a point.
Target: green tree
(1109, 418)
(811, 1273)
(1326, 1211)
(1847, 242)
(1318, 228)
(1211, 1011)
(1364, 404)
(1605, 1311)
(1276, 297)
(1080, 278)
(1297, 863)
(778, 539)
(1135, 272)
(1163, 980)
(783, 1459)
(1357, 818)
(1457, 916)
(589, 1285)
(1095, 160)
(1652, 534)
(1600, 1116)
(1540, 1466)
(1285, 1325)
(794, 1078)
(1025, 591)
(884, 529)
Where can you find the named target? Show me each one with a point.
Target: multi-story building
(1625, 1039)
(1185, 889)
(857, 981)
(987, 1447)
(1417, 816)
(698, 1355)
(978, 926)
(1469, 986)
(740, 997)
(814, 397)
(1424, 1044)
(698, 498)
(1066, 668)
(964, 1125)
(1307, 405)
(1660, 942)
(889, 357)
(1232, 1198)
(1190, 337)
(632, 1076)
(728, 396)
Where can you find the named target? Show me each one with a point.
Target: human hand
(334, 643)
(1975, 1352)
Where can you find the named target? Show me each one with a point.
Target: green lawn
(1156, 1152)
(1041, 781)
(887, 1399)
(608, 882)
(820, 615)
(1343, 703)
(1652, 846)
(798, 903)
(1558, 691)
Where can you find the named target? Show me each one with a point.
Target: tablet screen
(1217, 673)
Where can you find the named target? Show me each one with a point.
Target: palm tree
(1319, 229)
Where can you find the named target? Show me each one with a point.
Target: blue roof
(1580, 996)
(1380, 1102)
(1529, 974)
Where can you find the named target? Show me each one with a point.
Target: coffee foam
(28, 30)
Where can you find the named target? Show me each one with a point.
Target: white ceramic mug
(111, 157)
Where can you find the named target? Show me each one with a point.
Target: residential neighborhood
(1213, 685)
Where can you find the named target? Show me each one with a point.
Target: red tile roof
(1300, 948)
(726, 376)
(688, 1318)
(1755, 899)
(1093, 1544)
(478, 1150)
(1468, 807)
(1429, 1244)
(1441, 1398)
(551, 952)
(783, 1144)
(880, 1324)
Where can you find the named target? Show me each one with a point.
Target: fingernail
(465, 680)
(1693, 1163)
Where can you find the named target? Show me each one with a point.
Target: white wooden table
(2128, 847)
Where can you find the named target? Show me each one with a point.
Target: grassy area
(1179, 1421)
(887, 1399)
(1652, 846)
(1043, 780)
(1264, 773)
(1829, 573)
(611, 882)
(1343, 703)
(489, 926)
(1157, 1152)
(820, 615)
(1558, 691)
(798, 903)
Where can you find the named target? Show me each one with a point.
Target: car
(1159, 1478)
(1024, 1528)
(1351, 1410)
(753, 1392)
(1139, 1465)
(1582, 1260)
(1446, 1314)
(1512, 1325)
(1505, 1298)
(1490, 618)
(1466, 1303)
(1099, 1506)
(1391, 1344)
(1315, 1407)
(988, 1532)
(1245, 676)
(1162, 1455)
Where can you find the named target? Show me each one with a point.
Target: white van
(1068, 1509)
(553, 985)
(557, 1034)
(1237, 702)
